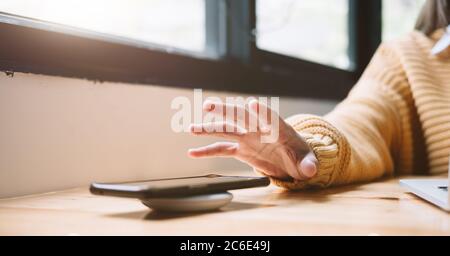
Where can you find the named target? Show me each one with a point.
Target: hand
(287, 157)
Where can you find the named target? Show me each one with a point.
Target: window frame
(235, 63)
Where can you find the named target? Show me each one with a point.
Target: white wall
(57, 133)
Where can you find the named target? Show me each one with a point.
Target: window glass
(307, 29)
(399, 17)
(179, 24)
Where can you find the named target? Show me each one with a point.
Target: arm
(369, 134)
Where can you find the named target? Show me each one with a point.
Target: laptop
(434, 191)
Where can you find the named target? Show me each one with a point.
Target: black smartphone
(178, 187)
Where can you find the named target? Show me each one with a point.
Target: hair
(435, 14)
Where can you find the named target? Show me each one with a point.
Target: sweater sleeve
(368, 135)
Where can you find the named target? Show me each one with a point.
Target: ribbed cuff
(329, 147)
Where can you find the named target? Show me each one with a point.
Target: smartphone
(177, 187)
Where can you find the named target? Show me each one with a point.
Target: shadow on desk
(156, 215)
(277, 197)
(363, 190)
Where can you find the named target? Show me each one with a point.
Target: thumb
(309, 165)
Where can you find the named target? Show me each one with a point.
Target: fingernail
(195, 128)
(241, 131)
(191, 152)
(308, 168)
(208, 105)
(253, 104)
(264, 129)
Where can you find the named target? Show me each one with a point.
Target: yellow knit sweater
(395, 119)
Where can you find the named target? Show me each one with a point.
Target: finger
(219, 129)
(231, 112)
(268, 170)
(228, 111)
(263, 114)
(308, 166)
(218, 149)
(290, 167)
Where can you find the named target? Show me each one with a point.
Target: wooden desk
(377, 208)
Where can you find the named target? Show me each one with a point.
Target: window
(307, 48)
(308, 29)
(173, 23)
(399, 17)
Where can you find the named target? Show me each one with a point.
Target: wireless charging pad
(189, 204)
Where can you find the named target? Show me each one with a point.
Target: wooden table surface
(380, 208)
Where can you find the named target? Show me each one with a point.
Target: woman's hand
(287, 157)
